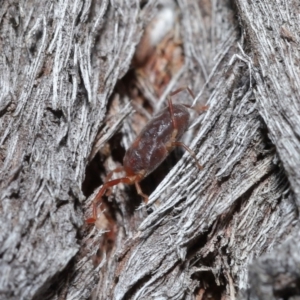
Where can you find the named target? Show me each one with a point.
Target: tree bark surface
(225, 232)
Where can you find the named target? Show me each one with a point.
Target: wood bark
(228, 231)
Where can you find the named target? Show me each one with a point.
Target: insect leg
(182, 89)
(110, 174)
(192, 153)
(198, 109)
(139, 191)
(101, 193)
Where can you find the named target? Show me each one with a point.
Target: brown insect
(159, 137)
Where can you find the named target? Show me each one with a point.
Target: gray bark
(227, 231)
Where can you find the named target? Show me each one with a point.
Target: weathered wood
(272, 31)
(60, 63)
(208, 226)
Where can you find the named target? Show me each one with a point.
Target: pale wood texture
(272, 29)
(59, 69)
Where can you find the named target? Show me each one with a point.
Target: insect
(159, 137)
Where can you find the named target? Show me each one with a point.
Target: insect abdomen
(149, 150)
